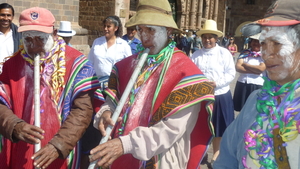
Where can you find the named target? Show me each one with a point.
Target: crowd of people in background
(179, 103)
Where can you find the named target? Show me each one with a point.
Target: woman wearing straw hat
(164, 124)
(251, 66)
(217, 65)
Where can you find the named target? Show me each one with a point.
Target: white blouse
(104, 58)
(251, 78)
(217, 65)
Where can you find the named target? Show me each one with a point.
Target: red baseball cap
(36, 19)
(282, 13)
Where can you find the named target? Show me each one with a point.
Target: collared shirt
(251, 78)
(133, 43)
(6, 45)
(217, 65)
(104, 58)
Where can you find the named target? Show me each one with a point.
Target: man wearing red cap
(266, 132)
(67, 85)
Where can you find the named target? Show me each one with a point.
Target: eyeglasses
(231, 39)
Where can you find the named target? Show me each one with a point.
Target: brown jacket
(69, 133)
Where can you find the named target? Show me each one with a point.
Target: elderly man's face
(154, 37)
(209, 40)
(281, 56)
(36, 42)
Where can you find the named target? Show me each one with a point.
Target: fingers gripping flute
(37, 120)
(123, 99)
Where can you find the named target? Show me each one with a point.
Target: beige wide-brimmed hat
(210, 26)
(255, 36)
(157, 13)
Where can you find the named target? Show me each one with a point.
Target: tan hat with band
(255, 36)
(282, 13)
(150, 12)
(210, 26)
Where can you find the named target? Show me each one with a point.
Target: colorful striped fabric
(82, 79)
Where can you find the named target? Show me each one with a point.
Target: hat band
(64, 31)
(145, 7)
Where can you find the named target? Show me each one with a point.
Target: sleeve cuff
(126, 143)
(60, 149)
(99, 114)
(108, 105)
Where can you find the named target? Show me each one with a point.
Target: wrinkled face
(6, 17)
(154, 37)
(280, 53)
(255, 45)
(209, 40)
(109, 29)
(36, 42)
(131, 32)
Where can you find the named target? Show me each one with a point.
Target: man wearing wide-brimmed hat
(217, 65)
(65, 31)
(165, 122)
(266, 132)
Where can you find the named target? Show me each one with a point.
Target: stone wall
(63, 10)
(91, 15)
(241, 12)
(133, 5)
(221, 21)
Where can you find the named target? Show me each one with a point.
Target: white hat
(65, 29)
(210, 26)
(255, 36)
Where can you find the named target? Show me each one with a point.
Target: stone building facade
(86, 16)
(243, 11)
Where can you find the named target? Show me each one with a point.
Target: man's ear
(54, 33)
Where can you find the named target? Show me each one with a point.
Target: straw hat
(210, 26)
(157, 13)
(255, 36)
(65, 29)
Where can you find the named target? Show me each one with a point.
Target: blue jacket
(16, 36)
(133, 45)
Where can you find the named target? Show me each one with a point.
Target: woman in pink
(232, 47)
